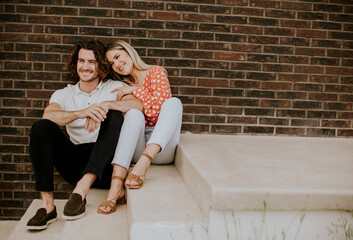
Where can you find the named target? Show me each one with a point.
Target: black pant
(50, 148)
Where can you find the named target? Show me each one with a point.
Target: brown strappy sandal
(113, 202)
(137, 178)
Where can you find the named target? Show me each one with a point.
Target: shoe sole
(71, 218)
(43, 226)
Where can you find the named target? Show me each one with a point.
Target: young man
(93, 119)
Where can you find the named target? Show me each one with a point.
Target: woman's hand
(122, 91)
(91, 125)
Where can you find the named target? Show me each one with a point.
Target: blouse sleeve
(157, 90)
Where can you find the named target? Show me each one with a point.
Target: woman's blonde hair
(136, 59)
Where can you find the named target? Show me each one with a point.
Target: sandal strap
(136, 178)
(117, 177)
(147, 156)
(109, 203)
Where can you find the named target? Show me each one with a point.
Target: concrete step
(164, 208)
(6, 228)
(287, 173)
(91, 227)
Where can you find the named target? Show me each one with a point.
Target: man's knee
(42, 127)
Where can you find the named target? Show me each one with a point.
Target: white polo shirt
(71, 98)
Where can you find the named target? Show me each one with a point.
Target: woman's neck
(138, 76)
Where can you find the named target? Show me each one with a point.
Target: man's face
(87, 66)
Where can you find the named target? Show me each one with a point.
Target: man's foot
(41, 219)
(116, 195)
(75, 207)
(136, 177)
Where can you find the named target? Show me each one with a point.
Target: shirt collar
(76, 89)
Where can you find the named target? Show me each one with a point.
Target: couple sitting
(110, 124)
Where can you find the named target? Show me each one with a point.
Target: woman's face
(120, 61)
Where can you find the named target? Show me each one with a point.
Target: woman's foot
(136, 177)
(115, 195)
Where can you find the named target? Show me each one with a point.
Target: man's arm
(55, 113)
(127, 103)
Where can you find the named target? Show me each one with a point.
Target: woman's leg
(164, 139)
(131, 136)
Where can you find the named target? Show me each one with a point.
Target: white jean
(134, 136)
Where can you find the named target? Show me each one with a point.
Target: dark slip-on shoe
(41, 219)
(75, 207)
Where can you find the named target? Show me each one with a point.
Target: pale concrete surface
(95, 226)
(162, 207)
(264, 225)
(289, 173)
(91, 227)
(6, 228)
(53, 232)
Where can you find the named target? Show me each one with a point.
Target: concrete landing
(288, 173)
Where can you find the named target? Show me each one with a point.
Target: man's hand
(97, 112)
(100, 111)
(122, 91)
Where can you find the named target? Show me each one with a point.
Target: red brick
(339, 70)
(233, 2)
(225, 129)
(248, 11)
(247, 29)
(265, 4)
(345, 133)
(242, 120)
(305, 122)
(229, 56)
(212, 82)
(165, 15)
(280, 13)
(196, 109)
(274, 121)
(308, 69)
(211, 100)
(253, 129)
(193, 17)
(227, 110)
(336, 123)
(290, 131)
(345, 115)
(246, 48)
(295, 24)
(292, 77)
(276, 85)
(275, 103)
(296, 5)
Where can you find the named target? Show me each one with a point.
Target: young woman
(145, 138)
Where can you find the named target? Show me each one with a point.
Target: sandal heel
(121, 201)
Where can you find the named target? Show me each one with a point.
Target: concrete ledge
(288, 173)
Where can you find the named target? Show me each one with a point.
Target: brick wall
(239, 67)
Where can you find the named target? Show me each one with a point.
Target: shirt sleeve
(157, 90)
(60, 96)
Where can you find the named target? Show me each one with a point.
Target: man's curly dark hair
(98, 49)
